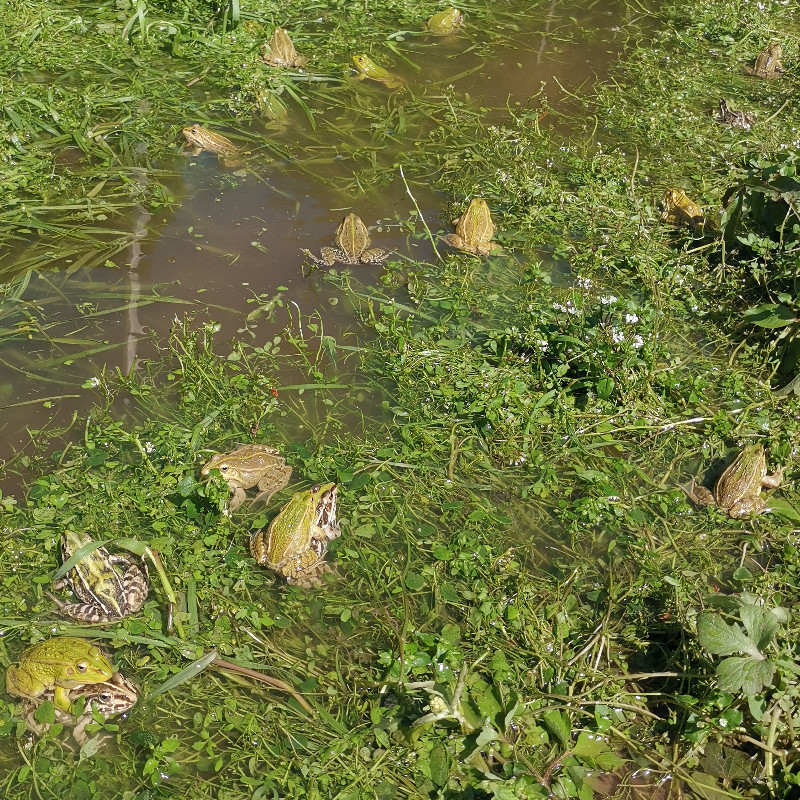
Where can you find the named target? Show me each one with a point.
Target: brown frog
(281, 52)
(736, 119)
(680, 210)
(474, 230)
(352, 245)
(202, 139)
(768, 62)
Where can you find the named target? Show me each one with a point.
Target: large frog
(768, 62)
(59, 663)
(474, 230)
(114, 696)
(110, 586)
(367, 68)
(352, 245)
(251, 465)
(445, 22)
(202, 139)
(738, 490)
(297, 539)
(680, 210)
(736, 119)
(281, 51)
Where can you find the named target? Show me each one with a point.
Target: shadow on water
(235, 236)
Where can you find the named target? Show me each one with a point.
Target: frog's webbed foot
(328, 256)
(374, 255)
(61, 698)
(454, 240)
(773, 481)
(85, 612)
(699, 495)
(238, 497)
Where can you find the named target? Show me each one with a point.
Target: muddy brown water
(233, 237)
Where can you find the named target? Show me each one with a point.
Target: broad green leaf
(558, 725)
(770, 315)
(779, 506)
(748, 675)
(186, 674)
(761, 624)
(722, 639)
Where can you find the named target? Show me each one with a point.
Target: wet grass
(524, 602)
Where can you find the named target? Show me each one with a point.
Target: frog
(117, 695)
(680, 210)
(295, 543)
(109, 586)
(474, 230)
(281, 52)
(736, 119)
(738, 490)
(767, 63)
(251, 465)
(202, 139)
(60, 663)
(352, 245)
(445, 22)
(367, 68)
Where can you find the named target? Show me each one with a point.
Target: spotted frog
(281, 51)
(297, 539)
(768, 62)
(736, 119)
(202, 139)
(680, 210)
(367, 68)
(59, 664)
(117, 695)
(109, 586)
(251, 465)
(474, 230)
(445, 22)
(352, 245)
(738, 490)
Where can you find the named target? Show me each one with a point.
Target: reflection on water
(237, 235)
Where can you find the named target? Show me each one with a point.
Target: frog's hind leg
(85, 612)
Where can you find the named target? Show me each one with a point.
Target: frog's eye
(82, 666)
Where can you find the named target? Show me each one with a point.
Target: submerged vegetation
(524, 601)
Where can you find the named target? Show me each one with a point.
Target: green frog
(352, 245)
(59, 663)
(297, 539)
(445, 22)
(736, 119)
(474, 230)
(680, 210)
(117, 695)
(738, 490)
(202, 139)
(768, 62)
(251, 465)
(110, 586)
(367, 68)
(281, 52)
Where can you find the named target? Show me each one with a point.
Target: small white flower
(149, 447)
(632, 319)
(543, 345)
(617, 335)
(607, 299)
(95, 382)
(559, 307)
(584, 283)
(638, 341)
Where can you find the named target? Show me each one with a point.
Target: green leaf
(438, 764)
(558, 725)
(722, 639)
(761, 624)
(748, 675)
(605, 386)
(786, 510)
(45, 713)
(770, 315)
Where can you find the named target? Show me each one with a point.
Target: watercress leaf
(722, 639)
(761, 624)
(558, 726)
(748, 675)
(779, 506)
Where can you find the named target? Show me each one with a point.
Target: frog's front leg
(239, 496)
(774, 480)
(61, 698)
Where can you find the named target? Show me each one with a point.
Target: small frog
(367, 68)
(59, 663)
(297, 539)
(768, 62)
(445, 22)
(109, 586)
(738, 490)
(117, 695)
(680, 210)
(201, 139)
(736, 119)
(280, 52)
(251, 465)
(474, 230)
(352, 245)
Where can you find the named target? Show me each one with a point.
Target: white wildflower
(617, 335)
(638, 341)
(631, 319)
(608, 299)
